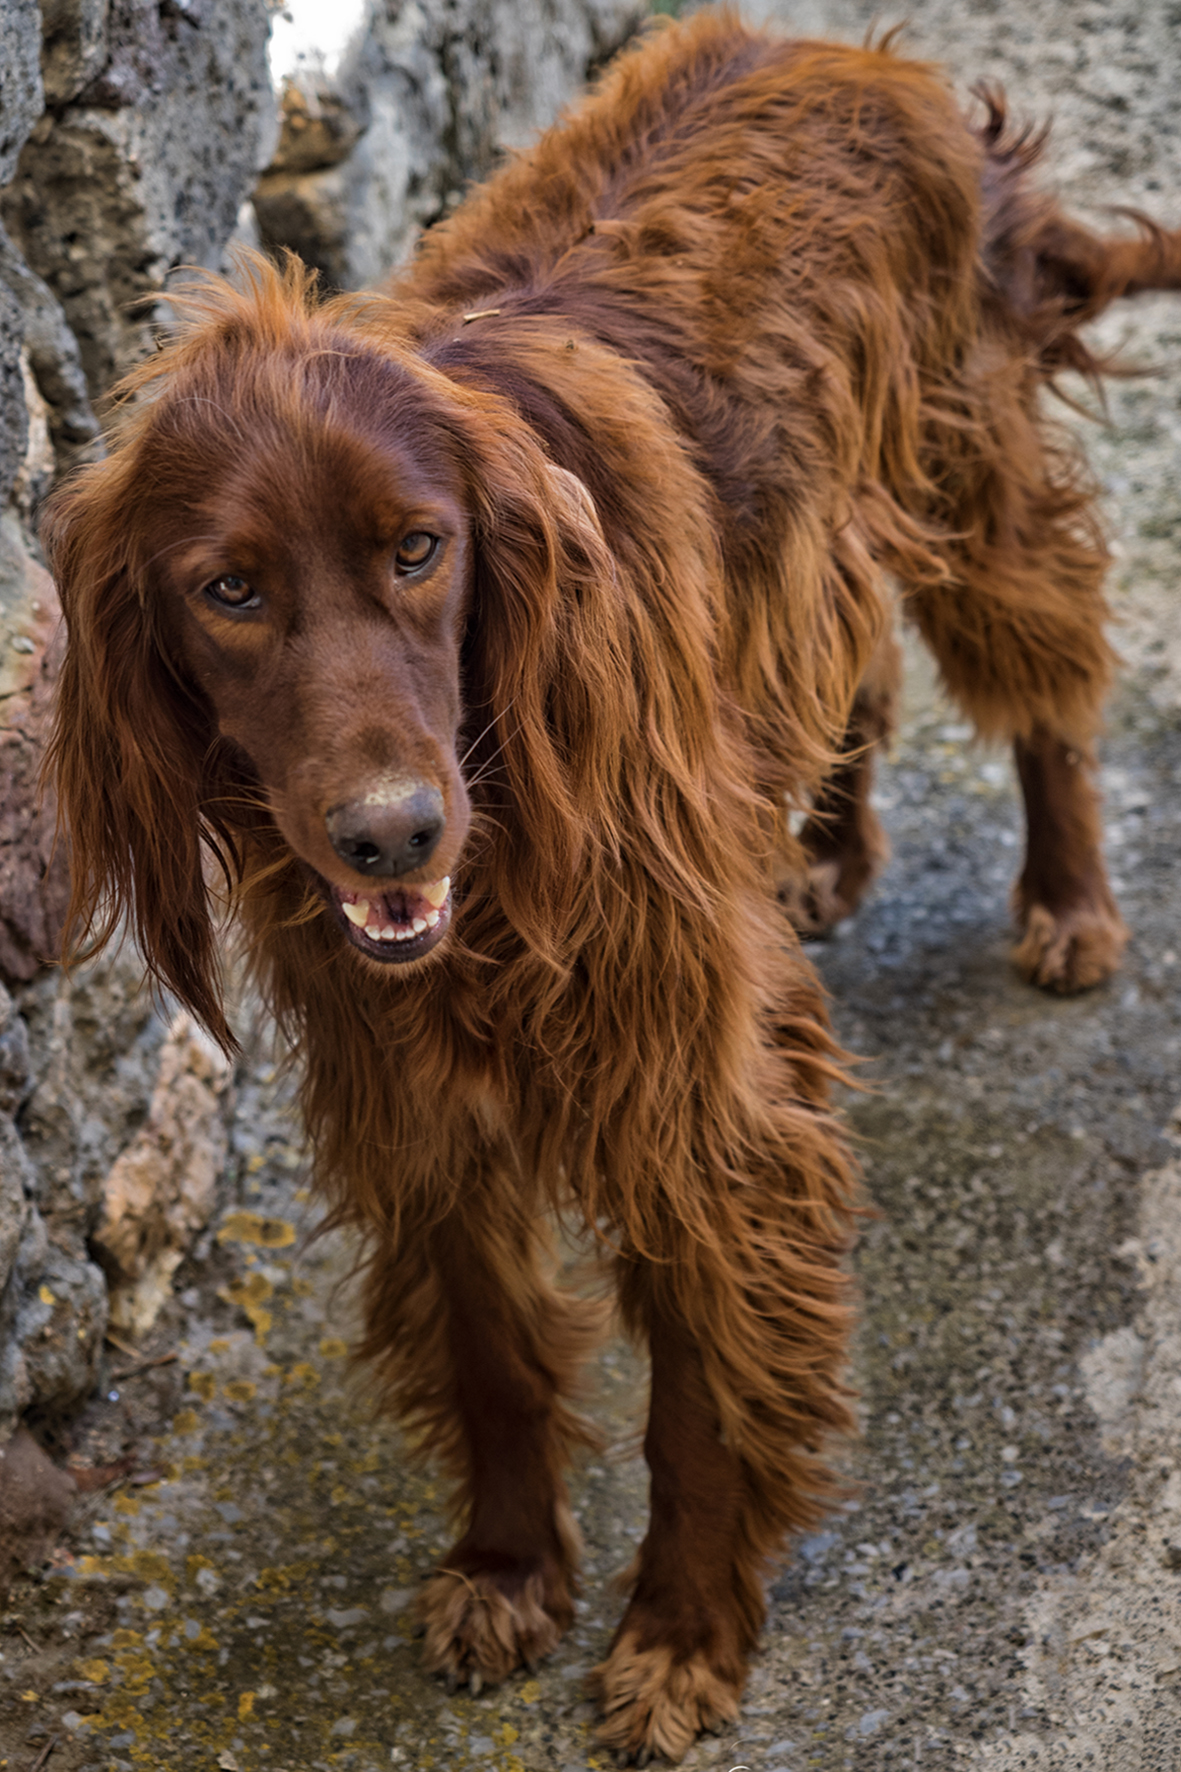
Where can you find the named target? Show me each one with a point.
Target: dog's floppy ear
(549, 677)
(127, 747)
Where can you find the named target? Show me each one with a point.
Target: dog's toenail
(452, 1684)
(477, 1685)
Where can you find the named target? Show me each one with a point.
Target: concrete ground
(1005, 1589)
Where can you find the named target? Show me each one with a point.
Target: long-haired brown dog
(485, 631)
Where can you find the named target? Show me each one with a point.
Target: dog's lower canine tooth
(436, 893)
(356, 913)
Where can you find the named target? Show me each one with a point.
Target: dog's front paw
(1071, 949)
(477, 1628)
(655, 1705)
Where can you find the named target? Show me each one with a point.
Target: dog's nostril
(388, 837)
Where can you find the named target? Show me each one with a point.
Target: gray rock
(14, 418)
(16, 1185)
(59, 1326)
(35, 1499)
(14, 1058)
(434, 94)
(53, 357)
(95, 1038)
(145, 170)
(33, 877)
(26, 1267)
(20, 79)
(75, 48)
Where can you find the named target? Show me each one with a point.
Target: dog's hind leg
(842, 838)
(1017, 629)
(1073, 932)
(484, 1353)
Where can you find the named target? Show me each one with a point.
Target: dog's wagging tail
(486, 630)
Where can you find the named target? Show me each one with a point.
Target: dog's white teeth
(419, 925)
(433, 920)
(387, 932)
(436, 893)
(404, 934)
(357, 913)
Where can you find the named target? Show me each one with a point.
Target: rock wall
(132, 133)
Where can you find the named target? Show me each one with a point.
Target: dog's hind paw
(654, 1705)
(477, 1629)
(1070, 950)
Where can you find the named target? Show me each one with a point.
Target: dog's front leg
(740, 1291)
(481, 1352)
(678, 1662)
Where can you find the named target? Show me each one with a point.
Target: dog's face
(315, 581)
(316, 596)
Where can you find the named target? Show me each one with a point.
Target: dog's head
(311, 594)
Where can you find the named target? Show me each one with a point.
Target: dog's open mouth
(402, 924)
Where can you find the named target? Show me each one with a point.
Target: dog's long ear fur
(533, 677)
(127, 749)
(591, 691)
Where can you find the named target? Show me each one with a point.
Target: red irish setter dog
(482, 633)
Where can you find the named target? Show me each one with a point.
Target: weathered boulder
(161, 1191)
(146, 165)
(21, 93)
(35, 1498)
(425, 99)
(34, 878)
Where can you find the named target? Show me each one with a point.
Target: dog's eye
(232, 592)
(415, 550)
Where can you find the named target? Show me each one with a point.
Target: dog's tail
(1049, 274)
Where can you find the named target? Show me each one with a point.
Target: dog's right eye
(232, 592)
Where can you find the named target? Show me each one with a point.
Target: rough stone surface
(162, 1189)
(35, 1499)
(34, 882)
(146, 168)
(75, 46)
(14, 419)
(21, 95)
(425, 100)
(53, 356)
(159, 118)
(80, 1053)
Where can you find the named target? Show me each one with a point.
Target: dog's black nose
(388, 835)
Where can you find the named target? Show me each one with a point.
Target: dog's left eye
(232, 592)
(415, 551)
